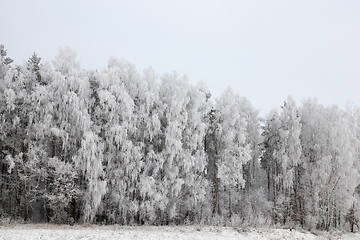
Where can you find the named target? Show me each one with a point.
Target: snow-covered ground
(50, 232)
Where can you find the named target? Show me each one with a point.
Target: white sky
(265, 50)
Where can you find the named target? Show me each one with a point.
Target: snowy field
(50, 232)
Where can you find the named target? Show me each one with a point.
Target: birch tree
(282, 160)
(289, 155)
(172, 161)
(230, 149)
(330, 154)
(72, 135)
(120, 156)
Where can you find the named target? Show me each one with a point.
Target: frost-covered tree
(254, 206)
(4, 61)
(90, 161)
(194, 156)
(230, 150)
(252, 170)
(71, 136)
(288, 154)
(282, 161)
(182, 160)
(121, 156)
(271, 138)
(148, 138)
(17, 126)
(65, 62)
(330, 152)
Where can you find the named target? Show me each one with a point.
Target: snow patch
(50, 232)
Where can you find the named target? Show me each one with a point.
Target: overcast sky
(265, 50)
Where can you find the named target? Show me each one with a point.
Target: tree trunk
(230, 213)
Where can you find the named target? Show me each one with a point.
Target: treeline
(117, 146)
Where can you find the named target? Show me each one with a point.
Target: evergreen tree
(4, 61)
